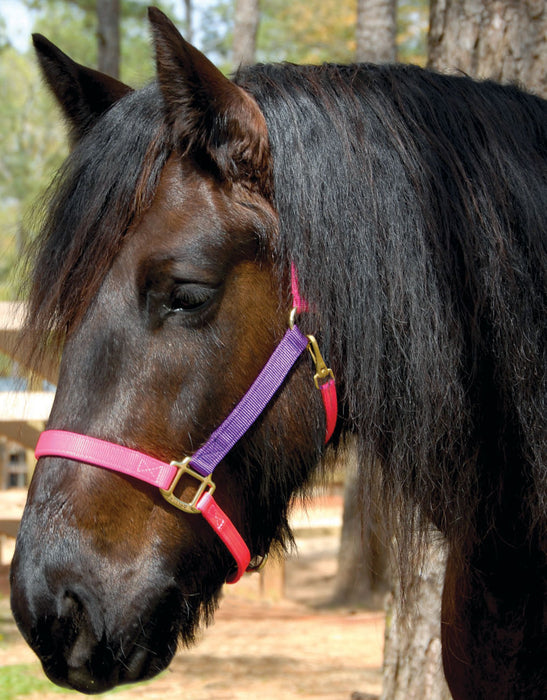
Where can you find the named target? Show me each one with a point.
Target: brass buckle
(205, 483)
(322, 372)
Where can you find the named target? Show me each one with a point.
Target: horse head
(158, 272)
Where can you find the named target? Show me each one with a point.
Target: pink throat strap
(300, 304)
(200, 466)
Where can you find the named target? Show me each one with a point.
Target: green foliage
(412, 29)
(9, 222)
(71, 27)
(71, 24)
(31, 146)
(32, 133)
(311, 31)
(302, 32)
(308, 32)
(216, 33)
(4, 41)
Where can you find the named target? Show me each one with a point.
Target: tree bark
(412, 648)
(499, 39)
(376, 31)
(108, 36)
(246, 19)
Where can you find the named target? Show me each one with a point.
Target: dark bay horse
(413, 208)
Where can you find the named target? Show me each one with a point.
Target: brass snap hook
(322, 372)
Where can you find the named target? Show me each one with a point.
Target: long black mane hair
(413, 207)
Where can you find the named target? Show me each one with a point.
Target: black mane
(413, 205)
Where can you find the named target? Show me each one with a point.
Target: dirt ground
(274, 638)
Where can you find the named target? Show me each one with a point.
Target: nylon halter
(200, 465)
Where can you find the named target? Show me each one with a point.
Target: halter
(200, 465)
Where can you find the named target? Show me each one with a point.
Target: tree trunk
(412, 650)
(376, 31)
(247, 16)
(362, 575)
(495, 39)
(188, 27)
(108, 36)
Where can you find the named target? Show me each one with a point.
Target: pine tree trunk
(412, 649)
(495, 39)
(376, 31)
(108, 36)
(246, 21)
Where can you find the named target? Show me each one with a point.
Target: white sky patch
(18, 23)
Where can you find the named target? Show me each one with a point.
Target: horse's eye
(189, 297)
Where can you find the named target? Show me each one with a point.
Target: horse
(406, 211)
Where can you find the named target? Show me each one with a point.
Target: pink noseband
(201, 464)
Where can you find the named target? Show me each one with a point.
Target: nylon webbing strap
(82, 448)
(252, 404)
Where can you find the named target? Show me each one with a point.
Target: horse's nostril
(88, 643)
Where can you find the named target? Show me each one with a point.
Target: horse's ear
(210, 115)
(83, 93)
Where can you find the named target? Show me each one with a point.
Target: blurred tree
(301, 32)
(246, 19)
(363, 557)
(188, 21)
(108, 37)
(309, 32)
(376, 31)
(499, 39)
(412, 644)
(83, 27)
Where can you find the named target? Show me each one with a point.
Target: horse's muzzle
(74, 637)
